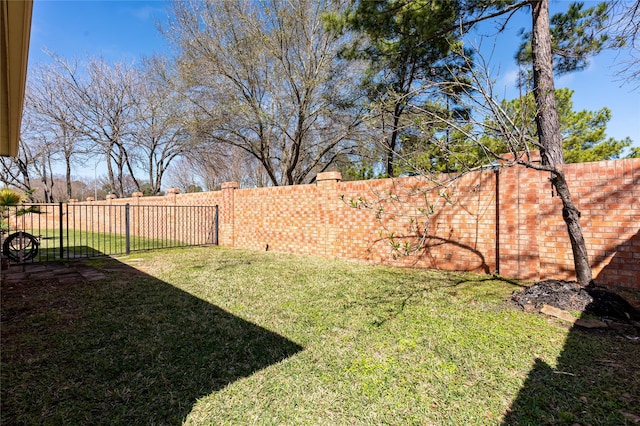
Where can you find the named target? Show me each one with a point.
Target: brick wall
(508, 221)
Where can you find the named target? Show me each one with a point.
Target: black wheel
(20, 242)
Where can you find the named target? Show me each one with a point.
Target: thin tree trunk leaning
(549, 134)
(571, 217)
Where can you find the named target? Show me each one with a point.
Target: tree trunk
(67, 177)
(549, 134)
(547, 121)
(110, 174)
(571, 217)
(393, 141)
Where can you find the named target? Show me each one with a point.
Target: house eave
(15, 28)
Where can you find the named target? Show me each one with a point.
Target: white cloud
(506, 85)
(145, 13)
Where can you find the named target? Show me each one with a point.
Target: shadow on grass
(49, 254)
(51, 251)
(128, 349)
(596, 380)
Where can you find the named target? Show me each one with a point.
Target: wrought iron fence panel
(47, 232)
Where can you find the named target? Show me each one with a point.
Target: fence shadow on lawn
(129, 349)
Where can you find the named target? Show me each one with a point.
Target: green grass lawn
(82, 243)
(214, 336)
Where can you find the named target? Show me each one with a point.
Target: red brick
(318, 220)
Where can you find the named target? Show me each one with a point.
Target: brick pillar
(135, 197)
(226, 213)
(327, 184)
(172, 194)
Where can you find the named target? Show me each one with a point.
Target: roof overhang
(15, 27)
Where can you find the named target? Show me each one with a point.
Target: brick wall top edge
(159, 199)
(627, 166)
(408, 181)
(206, 194)
(284, 188)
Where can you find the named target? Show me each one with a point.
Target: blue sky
(126, 30)
(117, 30)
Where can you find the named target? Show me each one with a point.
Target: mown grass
(84, 243)
(221, 336)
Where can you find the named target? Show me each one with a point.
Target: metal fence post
(127, 235)
(216, 227)
(61, 233)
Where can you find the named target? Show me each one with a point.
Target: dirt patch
(569, 296)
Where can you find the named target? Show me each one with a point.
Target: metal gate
(48, 232)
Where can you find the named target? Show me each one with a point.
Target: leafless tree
(159, 131)
(209, 169)
(81, 189)
(34, 163)
(15, 171)
(104, 111)
(625, 27)
(53, 106)
(263, 76)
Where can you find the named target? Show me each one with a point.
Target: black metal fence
(47, 232)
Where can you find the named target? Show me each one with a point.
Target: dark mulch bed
(569, 296)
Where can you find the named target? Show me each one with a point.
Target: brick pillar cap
(230, 185)
(137, 194)
(329, 176)
(173, 191)
(89, 199)
(112, 197)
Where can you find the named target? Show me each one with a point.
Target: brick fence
(507, 221)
